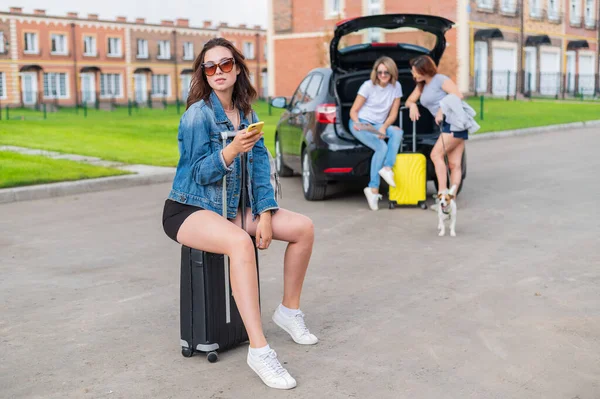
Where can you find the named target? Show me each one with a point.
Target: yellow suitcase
(410, 175)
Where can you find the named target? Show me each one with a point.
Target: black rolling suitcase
(210, 320)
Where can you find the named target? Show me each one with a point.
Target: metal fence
(557, 85)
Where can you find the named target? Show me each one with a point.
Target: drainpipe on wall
(175, 63)
(257, 55)
(598, 51)
(74, 63)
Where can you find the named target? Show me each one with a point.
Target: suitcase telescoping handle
(414, 140)
(224, 137)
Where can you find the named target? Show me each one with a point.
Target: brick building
(69, 60)
(559, 50)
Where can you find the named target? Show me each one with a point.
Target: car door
(286, 131)
(304, 120)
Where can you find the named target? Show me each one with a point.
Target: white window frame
(188, 51)
(1, 42)
(535, 8)
(59, 40)
(329, 10)
(116, 46)
(56, 77)
(164, 50)
(508, 6)
(575, 12)
(554, 12)
(374, 7)
(3, 90)
(485, 4)
(33, 41)
(165, 79)
(591, 87)
(111, 78)
(142, 49)
(249, 50)
(591, 16)
(91, 46)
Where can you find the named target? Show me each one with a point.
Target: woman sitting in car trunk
(371, 117)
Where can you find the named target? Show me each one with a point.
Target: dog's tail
(452, 190)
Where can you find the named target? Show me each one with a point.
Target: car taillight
(326, 113)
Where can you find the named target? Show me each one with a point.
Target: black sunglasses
(226, 65)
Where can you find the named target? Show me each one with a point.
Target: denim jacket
(199, 176)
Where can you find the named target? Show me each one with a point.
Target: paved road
(508, 309)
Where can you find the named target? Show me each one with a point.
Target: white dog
(447, 210)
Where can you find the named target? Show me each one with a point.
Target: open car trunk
(359, 42)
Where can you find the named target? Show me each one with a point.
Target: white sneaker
(295, 326)
(388, 176)
(372, 198)
(270, 371)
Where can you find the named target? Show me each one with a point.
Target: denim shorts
(464, 134)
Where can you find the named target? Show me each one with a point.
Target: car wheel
(282, 170)
(463, 174)
(313, 191)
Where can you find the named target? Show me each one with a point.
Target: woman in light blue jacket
(220, 99)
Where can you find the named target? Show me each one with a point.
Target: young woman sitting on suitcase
(431, 88)
(371, 117)
(220, 100)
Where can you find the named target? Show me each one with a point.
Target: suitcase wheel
(187, 352)
(212, 357)
(392, 205)
(423, 205)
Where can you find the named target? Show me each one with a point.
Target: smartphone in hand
(255, 128)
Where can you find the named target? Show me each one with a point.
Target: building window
(114, 47)
(334, 7)
(535, 9)
(164, 50)
(89, 46)
(374, 8)
(2, 85)
(553, 12)
(188, 51)
(142, 48)
(575, 12)
(485, 4)
(161, 85)
(249, 50)
(589, 14)
(55, 85)
(59, 44)
(110, 85)
(1, 42)
(509, 6)
(31, 44)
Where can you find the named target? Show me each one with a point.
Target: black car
(312, 136)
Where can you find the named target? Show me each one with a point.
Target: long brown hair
(243, 92)
(424, 66)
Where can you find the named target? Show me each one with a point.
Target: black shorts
(464, 134)
(174, 213)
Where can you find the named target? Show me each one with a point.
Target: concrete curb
(533, 130)
(145, 175)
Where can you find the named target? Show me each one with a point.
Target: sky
(234, 12)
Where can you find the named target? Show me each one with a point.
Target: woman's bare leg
(208, 231)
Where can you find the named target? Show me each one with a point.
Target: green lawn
(22, 170)
(149, 136)
(499, 114)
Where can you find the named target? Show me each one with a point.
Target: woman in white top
(371, 117)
